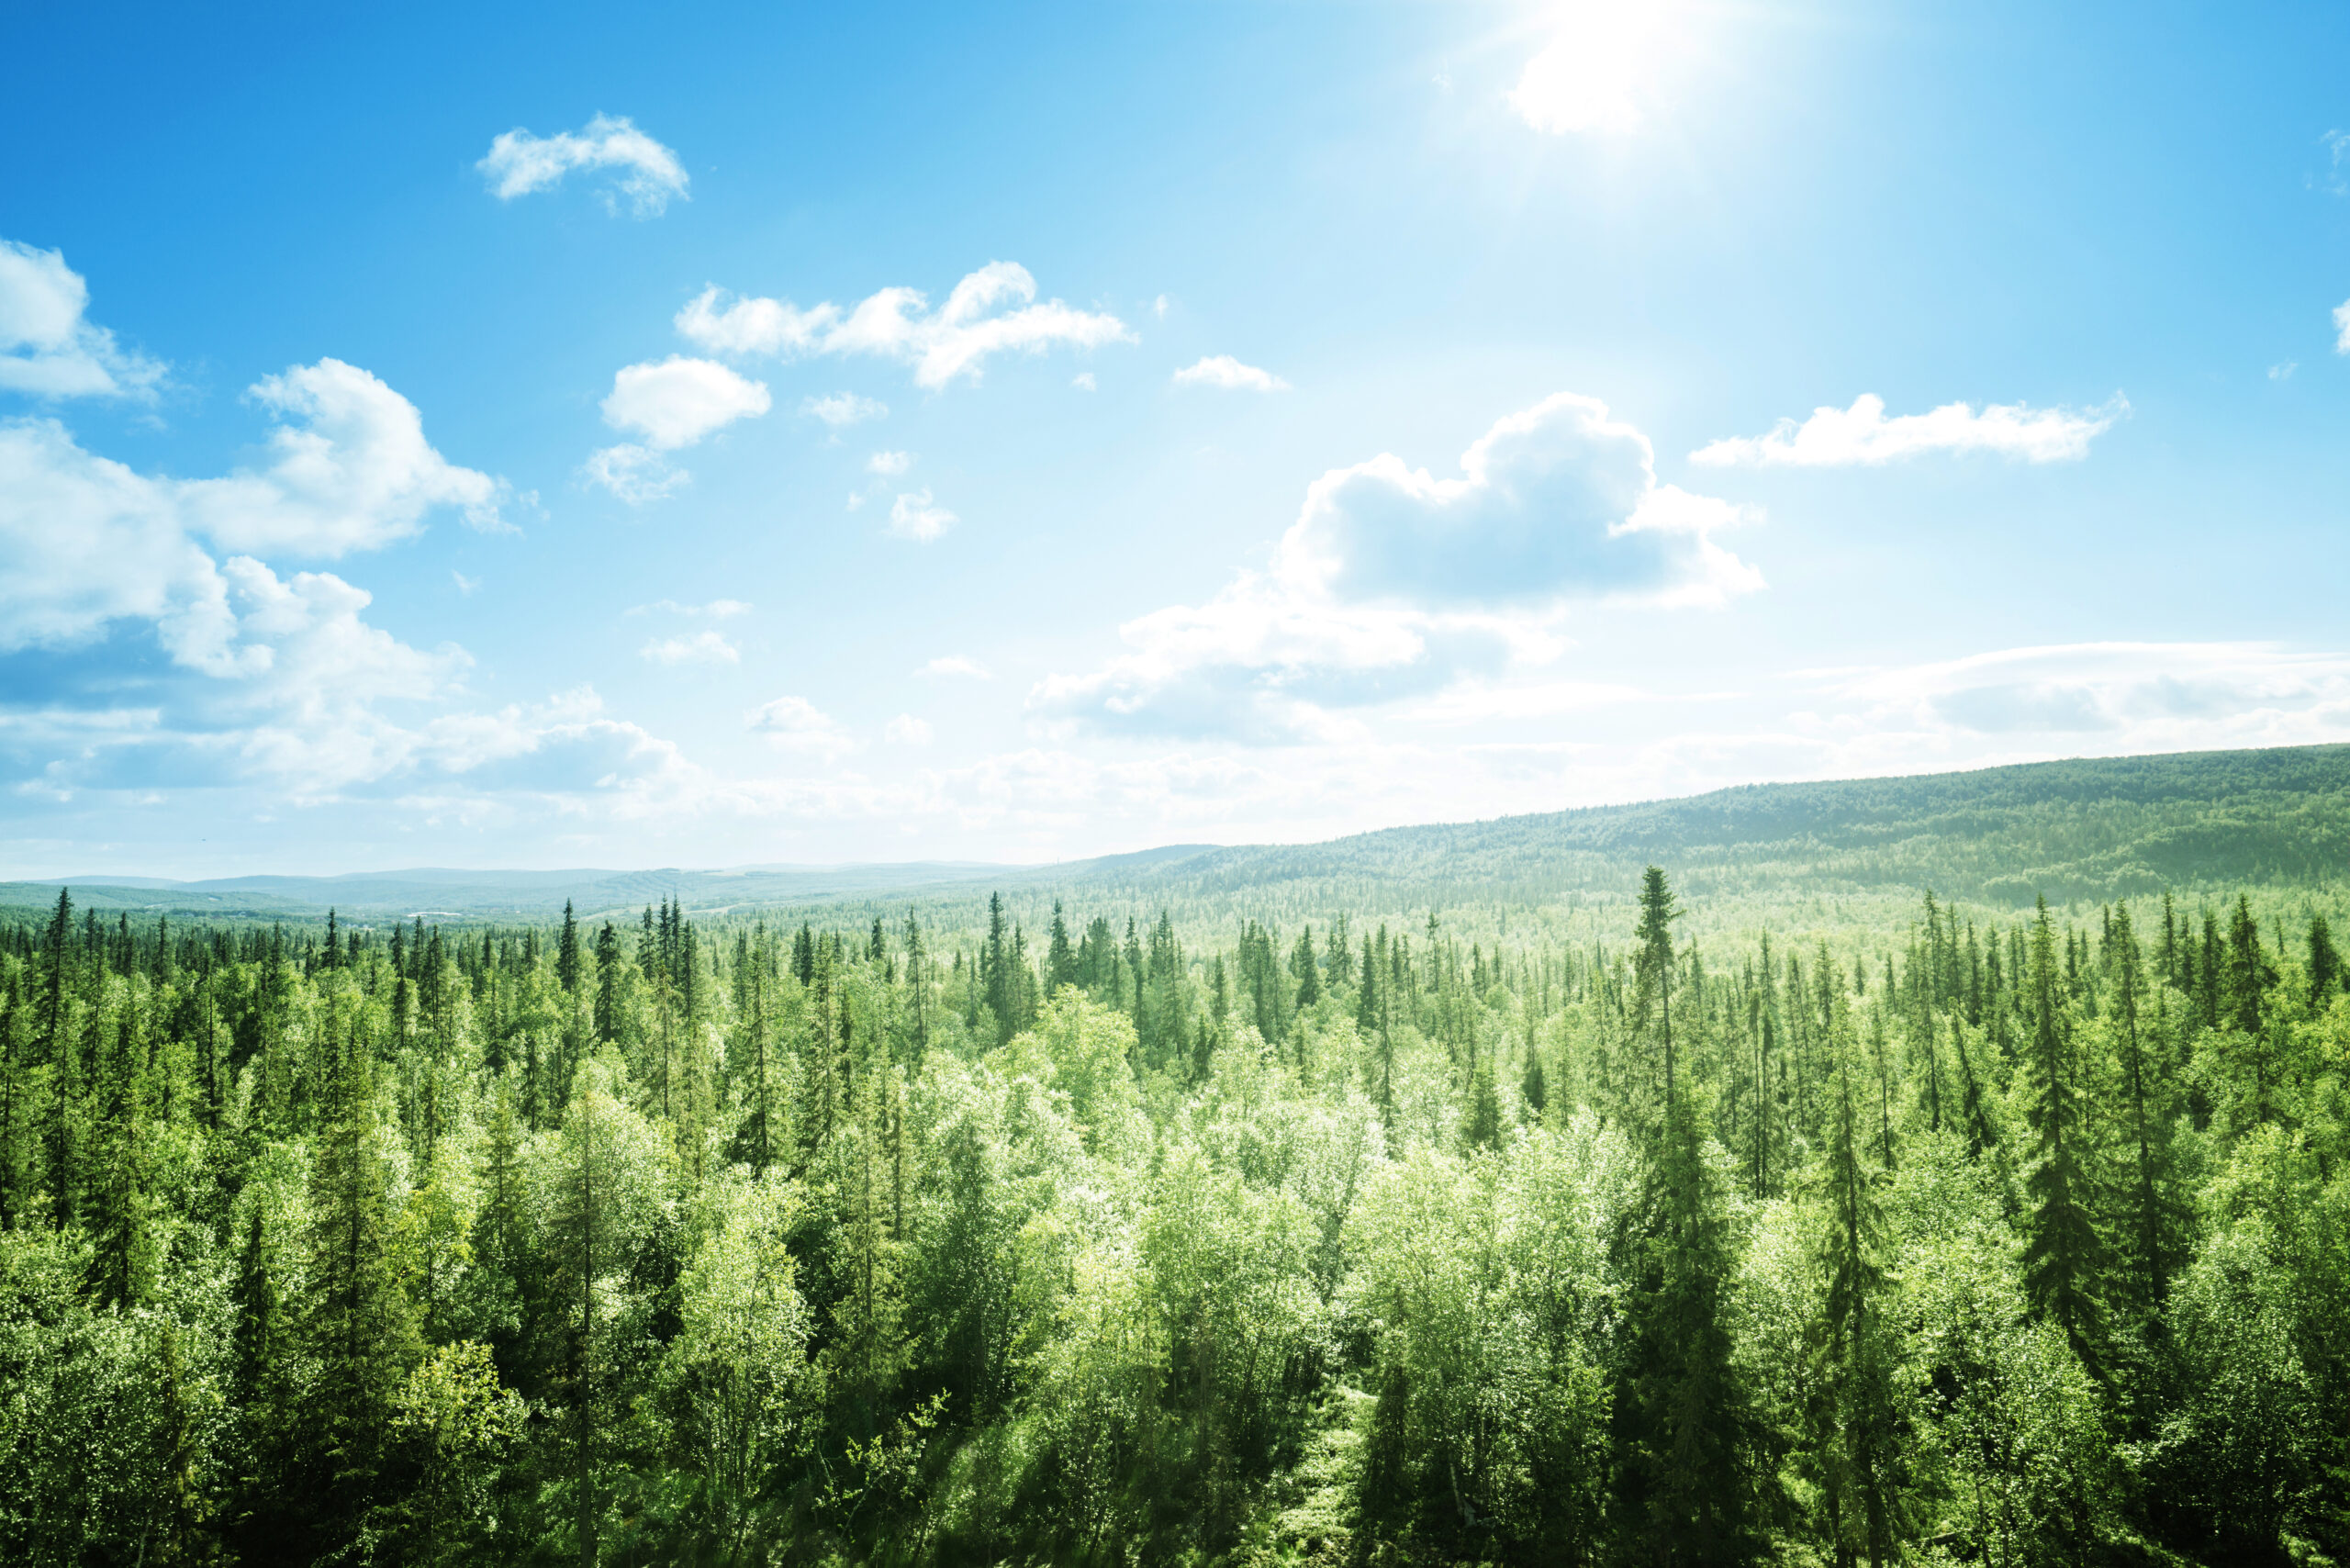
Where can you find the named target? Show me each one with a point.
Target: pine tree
(1693, 1462)
(1060, 958)
(357, 1325)
(608, 984)
(1860, 1454)
(2061, 1250)
(2326, 964)
(1652, 1005)
(2147, 1088)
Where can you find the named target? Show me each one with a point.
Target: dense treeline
(1840, 854)
(1999, 1242)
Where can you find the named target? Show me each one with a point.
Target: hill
(1996, 837)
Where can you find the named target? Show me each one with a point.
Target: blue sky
(595, 437)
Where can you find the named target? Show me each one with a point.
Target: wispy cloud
(794, 723)
(915, 516)
(701, 648)
(637, 475)
(1862, 435)
(1224, 371)
(961, 665)
(841, 410)
(954, 341)
(906, 730)
(649, 174)
(716, 610)
(888, 464)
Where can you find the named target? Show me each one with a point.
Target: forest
(2000, 1236)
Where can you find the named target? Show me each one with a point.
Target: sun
(1600, 67)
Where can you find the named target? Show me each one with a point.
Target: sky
(586, 436)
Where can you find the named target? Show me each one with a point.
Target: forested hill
(2099, 829)
(2081, 830)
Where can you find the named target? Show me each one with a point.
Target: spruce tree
(1861, 1458)
(2062, 1252)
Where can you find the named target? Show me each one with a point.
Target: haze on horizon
(933, 436)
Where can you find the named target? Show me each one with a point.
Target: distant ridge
(2097, 828)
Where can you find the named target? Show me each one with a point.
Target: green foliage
(1238, 1233)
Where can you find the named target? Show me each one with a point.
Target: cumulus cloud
(673, 403)
(888, 464)
(991, 311)
(841, 410)
(679, 402)
(915, 516)
(349, 470)
(906, 730)
(85, 542)
(1862, 435)
(263, 675)
(1392, 583)
(648, 173)
(1227, 373)
(961, 665)
(48, 346)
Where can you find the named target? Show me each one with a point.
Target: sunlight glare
(1599, 65)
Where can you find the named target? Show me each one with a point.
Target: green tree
(2061, 1248)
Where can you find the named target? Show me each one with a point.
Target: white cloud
(716, 610)
(48, 347)
(1393, 584)
(794, 723)
(85, 542)
(466, 587)
(1837, 438)
(954, 340)
(1083, 381)
(1159, 308)
(2342, 328)
(1223, 370)
(841, 410)
(2158, 695)
(906, 730)
(650, 173)
(677, 401)
(915, 516)
(351, 470)
(888, 464)
(956, 665)
(635, 474)
(2284, 371)
(1598, 68)
(701, 648)
(275, 678)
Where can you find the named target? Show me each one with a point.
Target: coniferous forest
(1999, 1236)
